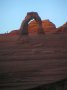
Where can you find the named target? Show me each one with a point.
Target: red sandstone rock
(30, 16)
(48, 27)
(13, 33)
(62, 29)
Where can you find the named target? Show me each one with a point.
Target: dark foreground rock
(59, 85)
(33, 61)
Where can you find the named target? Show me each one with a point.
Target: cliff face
(62, 28)
(32, 61)
(13, 33)
(48, 27)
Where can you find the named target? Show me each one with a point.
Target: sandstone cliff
(62, 28)
(47, 25)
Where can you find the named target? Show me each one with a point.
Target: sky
(13, 12)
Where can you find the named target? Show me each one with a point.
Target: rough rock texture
(33, 61)
(14, 33)
(30, 16)
(47, 25)
(59, 85)
(62, 29)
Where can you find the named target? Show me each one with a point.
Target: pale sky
(12, 12)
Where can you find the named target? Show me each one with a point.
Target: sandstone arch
(28, 18)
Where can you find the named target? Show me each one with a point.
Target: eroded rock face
(28, 18)
(62, 29)
(47, 26)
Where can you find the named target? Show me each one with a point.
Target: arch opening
(30, 21)
(29, 17)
